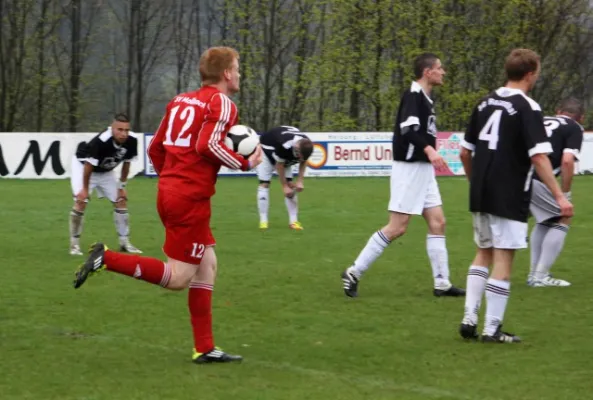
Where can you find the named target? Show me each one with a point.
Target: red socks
(145, 268)
(199, 301)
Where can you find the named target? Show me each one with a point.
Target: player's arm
(156, 148)
(410, 127)
(302, 170)
(570, 154)
(281, 170)
(468, 144)
(538, 145)
(221, 114)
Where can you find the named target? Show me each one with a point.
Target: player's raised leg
(377, 243)
(436, 249)
(200, 309)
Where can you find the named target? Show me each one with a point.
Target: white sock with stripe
(377, 243)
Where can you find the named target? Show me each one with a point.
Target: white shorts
(500, 233)
(413, 188)
(104, 182)
(265, 170)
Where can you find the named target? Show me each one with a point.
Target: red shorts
(187, 227)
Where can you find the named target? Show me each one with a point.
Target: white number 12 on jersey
(489, 132)
(188, 114)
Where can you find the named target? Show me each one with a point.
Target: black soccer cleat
(451, 292)
(501, 337)
(215, 356)
(94, 263)
(350, 284)
(468, 332)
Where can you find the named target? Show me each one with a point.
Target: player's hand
(299, 186)
(437, 161)
(288, 191)
(566, 208)
(256, 158)
(82, 196)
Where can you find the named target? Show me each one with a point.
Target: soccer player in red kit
(187, 152)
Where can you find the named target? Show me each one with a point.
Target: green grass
(279, 302)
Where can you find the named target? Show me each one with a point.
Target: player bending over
(507, 138)
(549, 232)
(283, 147)
(414, 189)
(187, 152)
(92, 168)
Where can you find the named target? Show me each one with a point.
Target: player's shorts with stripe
(491, 231)
(543, 205)
(105, 183)
(413, 188)
(187, 226)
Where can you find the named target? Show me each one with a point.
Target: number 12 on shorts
(198, 250)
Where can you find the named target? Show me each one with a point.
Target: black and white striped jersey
(277, 144)
(506, 129)
(415, 126)
(566, 136)
(104, 153)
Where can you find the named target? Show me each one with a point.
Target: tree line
(321, 65)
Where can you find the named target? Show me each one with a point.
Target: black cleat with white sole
(215, 356)
(501, 337)
(94, 263)
(451, 292)
(350, 284)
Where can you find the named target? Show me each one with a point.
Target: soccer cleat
(75, 250)
(296, 226)
(451, 292)
(501, 337)
(468, 331)
(263, 225)
(94, 263)
(215, 356)
(350, 284)
(128, 247)
(547, 282)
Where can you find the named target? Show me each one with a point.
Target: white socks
(551, 247)
(263, 203)
(377, 243)
(122, 225)
(292, 205)
(439, 260)
(475, 286)
(497, 296)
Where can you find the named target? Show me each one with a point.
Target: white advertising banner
(48, 155)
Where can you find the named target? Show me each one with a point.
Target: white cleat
(75, 250)
(548, 281)
(129, 248)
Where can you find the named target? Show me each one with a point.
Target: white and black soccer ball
(242, 140)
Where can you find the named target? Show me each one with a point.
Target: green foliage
(321, 65)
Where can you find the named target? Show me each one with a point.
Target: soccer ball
(242, 139)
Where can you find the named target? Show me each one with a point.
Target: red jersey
(188, 148)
